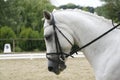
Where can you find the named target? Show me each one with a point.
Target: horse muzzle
(56, 62)
(56, 67)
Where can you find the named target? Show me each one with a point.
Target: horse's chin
(57, 72)
(57, 69)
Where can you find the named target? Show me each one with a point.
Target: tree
(110, 10)
(70, 6)
(31, 40)
(24, 18)
(73, 6)
(7, 33)
(19, 13)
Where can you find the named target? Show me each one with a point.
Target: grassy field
(36, 69)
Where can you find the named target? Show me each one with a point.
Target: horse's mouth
(57, 69)
(57, 72)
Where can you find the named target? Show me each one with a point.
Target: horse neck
(87, 30)
(84, 28)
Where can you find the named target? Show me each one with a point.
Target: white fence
(30, 56)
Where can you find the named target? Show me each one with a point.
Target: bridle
(59, 53)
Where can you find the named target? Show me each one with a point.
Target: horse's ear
(47, 15)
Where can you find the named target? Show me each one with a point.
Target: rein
(86, 45)
(58, 46)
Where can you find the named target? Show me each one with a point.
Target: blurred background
(21, 23)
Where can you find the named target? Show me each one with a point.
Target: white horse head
(59, 47)
(64, 28)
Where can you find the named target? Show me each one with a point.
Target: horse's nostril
(50, 68)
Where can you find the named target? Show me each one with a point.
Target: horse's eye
(48, 37)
